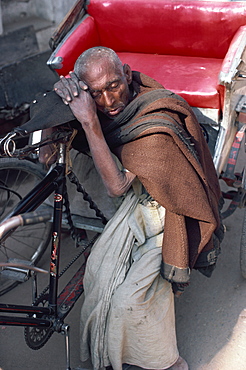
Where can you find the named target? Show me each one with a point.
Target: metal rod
(25, 321)
(56, 233)
(13, 308)
(65, 331)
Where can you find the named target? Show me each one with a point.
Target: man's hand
(75, 93)
(70, 87)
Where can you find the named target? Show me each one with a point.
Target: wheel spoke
(28, 243)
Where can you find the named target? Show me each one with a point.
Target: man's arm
(84, 109)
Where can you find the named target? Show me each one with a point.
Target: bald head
(96, 55)
(107, 80)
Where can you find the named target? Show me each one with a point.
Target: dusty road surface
(211, 314)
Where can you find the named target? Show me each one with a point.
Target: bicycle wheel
(26, 244)
(243, 248)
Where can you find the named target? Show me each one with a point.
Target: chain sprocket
(35, 337)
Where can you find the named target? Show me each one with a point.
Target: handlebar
(24, 219)
(23, 266)
(8, 145)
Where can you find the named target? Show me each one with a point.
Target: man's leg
(141, 321)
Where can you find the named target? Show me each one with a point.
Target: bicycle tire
(28, 243)
(243, 248)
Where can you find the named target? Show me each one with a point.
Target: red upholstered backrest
(78, 40)
(190, 28)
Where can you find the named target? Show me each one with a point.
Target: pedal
(86, 223)
(17, 273)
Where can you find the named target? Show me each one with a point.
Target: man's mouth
(114, 112)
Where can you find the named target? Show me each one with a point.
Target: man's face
(109, 87)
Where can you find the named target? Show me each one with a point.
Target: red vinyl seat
(199, 82)
(184, 45)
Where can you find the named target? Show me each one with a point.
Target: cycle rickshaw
(210, 74)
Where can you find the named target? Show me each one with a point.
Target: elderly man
(167, 224)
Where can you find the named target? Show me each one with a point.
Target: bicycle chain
(72, 228)
(73, 231)
(74, 180)
(89, 244)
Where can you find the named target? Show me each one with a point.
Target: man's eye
(96, 95)
(113, 86)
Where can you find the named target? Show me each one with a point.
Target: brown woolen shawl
(159, 139)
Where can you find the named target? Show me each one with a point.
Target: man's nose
(108, 98)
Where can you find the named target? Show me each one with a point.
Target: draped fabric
(159, 139)
(128, 312)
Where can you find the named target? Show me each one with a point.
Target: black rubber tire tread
(26, 170)
(34, 168)
(243, 248)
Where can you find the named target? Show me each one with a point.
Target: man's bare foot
(180, 364)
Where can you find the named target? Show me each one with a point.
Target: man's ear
(128, 73)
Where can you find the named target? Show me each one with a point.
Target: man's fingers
(83, 86)
(69, 88)
(74, 78)
(74, 84)
(66, 88)
(65, 101)
(62, 89)
(63, 94)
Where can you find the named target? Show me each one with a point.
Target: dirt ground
(211, 314)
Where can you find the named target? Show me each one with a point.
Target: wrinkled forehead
(101, 69)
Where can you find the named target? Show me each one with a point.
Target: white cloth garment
(128, 312)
